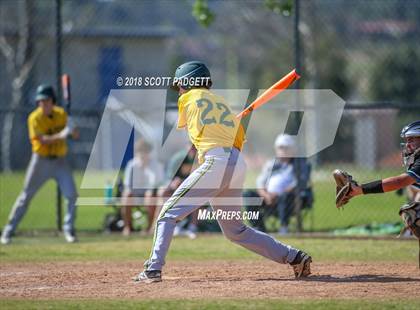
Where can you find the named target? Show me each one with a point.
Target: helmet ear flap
(174, 86)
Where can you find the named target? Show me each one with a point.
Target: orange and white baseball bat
(270, 93)
(65, 85)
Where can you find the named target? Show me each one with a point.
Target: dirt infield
(218, 279)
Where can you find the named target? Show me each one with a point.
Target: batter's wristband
(374, 187)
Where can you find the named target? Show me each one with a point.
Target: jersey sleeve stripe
(414, 175)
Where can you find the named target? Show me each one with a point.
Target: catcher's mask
(411, 145)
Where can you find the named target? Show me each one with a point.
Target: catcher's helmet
(410, 149)
(45, 92)
(192, 74)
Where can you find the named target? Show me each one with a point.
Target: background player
(48, 130)
(218, 138)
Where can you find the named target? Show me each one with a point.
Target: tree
(202, 13)
(395, 76)
(19, 62)
(205, 16)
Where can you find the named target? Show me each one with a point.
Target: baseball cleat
(301, 265)
(70, 237)
(5, 239)
(149, 276)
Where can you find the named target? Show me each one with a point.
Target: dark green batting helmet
(45, 92)
(192, 74)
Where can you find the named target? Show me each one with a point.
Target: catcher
(347, 188)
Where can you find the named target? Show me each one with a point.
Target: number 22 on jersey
(221, 112)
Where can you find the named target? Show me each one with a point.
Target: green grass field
(210, 247)
(43, 248)
(324, 217)
(94, 248)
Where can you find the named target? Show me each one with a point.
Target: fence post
(58, 37)
(297, 56)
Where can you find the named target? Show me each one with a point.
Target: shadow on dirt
(361, 278)
(365, 278)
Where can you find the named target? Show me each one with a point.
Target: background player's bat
(65, 85)
(273, 91)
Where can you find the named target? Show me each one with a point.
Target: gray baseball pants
(218, 180)
(40, 170)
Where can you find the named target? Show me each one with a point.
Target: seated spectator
(141, 177)
(277, 184)
(178, 169)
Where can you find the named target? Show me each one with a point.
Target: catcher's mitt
(344, 183)
(410, 214)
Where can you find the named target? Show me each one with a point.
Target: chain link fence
(367, 52)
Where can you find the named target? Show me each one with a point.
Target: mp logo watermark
(206, 215)
(145, 112)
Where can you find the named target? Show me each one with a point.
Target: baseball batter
(48, 131)
(218, 138)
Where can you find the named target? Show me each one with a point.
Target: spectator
(277, 184)
(141, 177)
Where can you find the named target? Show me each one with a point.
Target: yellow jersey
(40, 124)
(209, 121)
